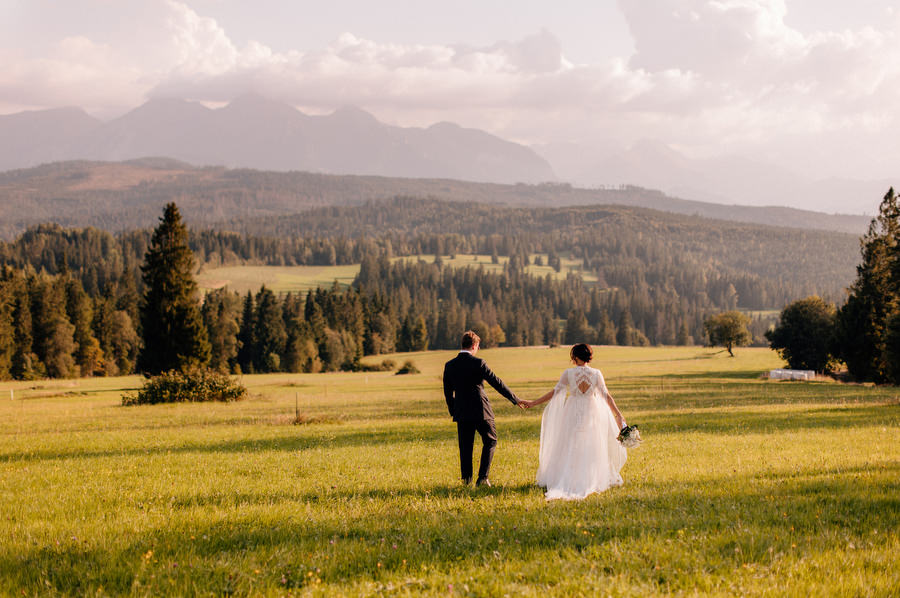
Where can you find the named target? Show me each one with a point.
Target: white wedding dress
(579, 452)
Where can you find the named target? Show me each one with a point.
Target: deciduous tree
(728, 329)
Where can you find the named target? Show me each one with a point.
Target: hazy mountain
(725, 180)
(254, 132)
(29, 138)
(117, 196)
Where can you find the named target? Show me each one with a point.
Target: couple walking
(579, 453)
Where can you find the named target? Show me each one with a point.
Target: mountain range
(726, 180)
(254, 132)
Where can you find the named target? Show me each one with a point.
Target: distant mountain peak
(354, 114)
(254, 131)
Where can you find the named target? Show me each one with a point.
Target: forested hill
(611, 240)
(636, 249)
(130, 195)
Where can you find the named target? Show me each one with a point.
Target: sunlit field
(294, 279)
(742, 487)
(281, 279)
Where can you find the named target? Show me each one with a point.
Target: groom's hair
(469, 339)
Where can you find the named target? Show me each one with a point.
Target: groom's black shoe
(483, 482)
(466, 481)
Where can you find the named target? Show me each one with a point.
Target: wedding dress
(579, 452)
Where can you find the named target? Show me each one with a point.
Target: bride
(579, 452)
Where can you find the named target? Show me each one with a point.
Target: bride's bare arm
(540, 400)
(620, 419)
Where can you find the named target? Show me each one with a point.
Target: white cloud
(709, 76)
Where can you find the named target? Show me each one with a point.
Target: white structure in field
(792, 375)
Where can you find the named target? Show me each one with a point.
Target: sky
(810, 85)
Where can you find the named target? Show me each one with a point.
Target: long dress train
(579, 452)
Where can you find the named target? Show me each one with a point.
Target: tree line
(864, 332)
(655, 287)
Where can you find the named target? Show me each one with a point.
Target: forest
(70, 298)
(129, 195)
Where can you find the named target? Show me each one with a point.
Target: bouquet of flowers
(630, 437)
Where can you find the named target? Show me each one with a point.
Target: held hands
(525, 404)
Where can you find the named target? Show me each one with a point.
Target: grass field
(742, 487)
(283, 279)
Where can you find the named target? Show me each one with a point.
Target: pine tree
(863, 335)
(7, 324)
(606, 330)
(79, 307)
(246, 339)
(300, 353)
(172, 328)
(623, 333)
(53, 333)
(220, 316)
(418, 335)
(577, 330)
(269, 332)
(25, 364)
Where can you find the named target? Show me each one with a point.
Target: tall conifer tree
(864, 332)
(172, 328)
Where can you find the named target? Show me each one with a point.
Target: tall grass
(742, 486)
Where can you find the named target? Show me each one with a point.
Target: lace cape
(579, 453)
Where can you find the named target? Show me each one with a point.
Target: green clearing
(742, 487)
(463, 261)
(283, 279)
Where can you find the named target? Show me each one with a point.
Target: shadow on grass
(737, 421)
(517, 427)
(744, 421)
(708, 375)
(656, 534)
(435, 492)
(299, 438)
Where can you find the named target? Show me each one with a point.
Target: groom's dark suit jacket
(464, 378)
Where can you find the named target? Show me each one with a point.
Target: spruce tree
(220, 316)
(269, 332)
(80, 311)
(53, 333)
(171, 325)
(246, 342)
(864, 336)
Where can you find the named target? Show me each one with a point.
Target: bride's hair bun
(582, 351)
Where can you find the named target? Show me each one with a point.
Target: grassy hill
(284, 279)
(128, 195)
(742, 487)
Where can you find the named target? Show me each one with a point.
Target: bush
(386, 365)
(408, 367)
(804, 334)
(180, 387)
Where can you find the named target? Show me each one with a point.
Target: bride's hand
(525, 404)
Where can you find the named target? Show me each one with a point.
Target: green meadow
(294, 279)
(281, 279)
(743, 486)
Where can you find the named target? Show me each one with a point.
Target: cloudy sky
(810, 84)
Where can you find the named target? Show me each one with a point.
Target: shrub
(408, 367)
(804, 334)
(195, 386)
(386, 365)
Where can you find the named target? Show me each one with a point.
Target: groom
(464, 377)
